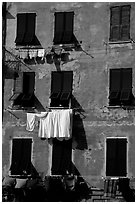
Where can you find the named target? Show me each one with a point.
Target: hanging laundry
(23, 53)
(30, 121)
(41, 53)
(33, 53)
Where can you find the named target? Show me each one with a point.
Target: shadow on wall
(78, 132)
(127, 192)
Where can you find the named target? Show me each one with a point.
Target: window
(116, 157)
(24, 89)
(121, 87)
(63, 33)
(120, 23)
(61, 88)
(25, 28)
(61, 157)
(21, 156)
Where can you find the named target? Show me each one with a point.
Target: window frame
(11, 148)
(119, 38)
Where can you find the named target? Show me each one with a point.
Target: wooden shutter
(56, 83)
(68, 29)
(28, 82)
(21, 157)
(67, 85)
(61, 157)
(59, 27)
(125, 22)
(111, 158)
(115, 24)
(126, 83)
(116, 157)
(30, 28)
(21, 28)
(115, 78)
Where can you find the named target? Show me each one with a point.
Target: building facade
(74, 55)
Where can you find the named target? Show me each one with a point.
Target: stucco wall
(90, 86)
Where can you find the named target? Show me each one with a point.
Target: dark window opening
(120, 23)
(25, 29)
(61, 157)
(63, 32)
(21, 156)
(24, 90)
(120, 89)
(116, 157)
(61, 88)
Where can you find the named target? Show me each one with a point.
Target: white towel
(30, 121)
(41, 53)
(23, 54)
(32, 53)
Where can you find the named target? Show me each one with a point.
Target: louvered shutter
(18, 86)
(30, 28)
(21, 28)
(21, 157)
(59, 27)
(68, 29)
(126, 83)
(56, 80)
(125, 22)
(67, 85)
(115, 24)
(115, 78)
(121, 164)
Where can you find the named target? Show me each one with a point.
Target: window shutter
(30, 28)
(56, 80)
(59, 27)
(21, 157)
(126, 83)
(67, 85)
(28, 82)
(114, 83)
(121, 157)
(115, 24)
(68, 32)
(111, 157)
(21, 26)
(125, 22)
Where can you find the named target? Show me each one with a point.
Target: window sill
(27, 47)
(71, 45)
(123, 107)
(120, 42)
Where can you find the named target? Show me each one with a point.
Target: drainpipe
(4, 24)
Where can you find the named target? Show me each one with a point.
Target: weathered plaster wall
(90, 86)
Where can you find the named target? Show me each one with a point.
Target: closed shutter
(28, 82)
(67, 85)
(68, 29)
(111, 158)
(30, 28)
(125, 22)
(115, 24)
(116, 157)
(56, 83)
(59, 27)
(115, 78)
(126, 83)
(21, 28)
(21, 157)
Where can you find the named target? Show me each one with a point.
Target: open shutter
(21, 28)
(115, 78)
(18, 86)
(59, 27)
(56, 80)
(125, 22)
(115, 24)
(67, 85)
(21, 157)
(121, 165)
(68, 32)
(30, 28)
(126, 83)
(111, 157)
